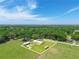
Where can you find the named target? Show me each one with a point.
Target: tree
(2, 40)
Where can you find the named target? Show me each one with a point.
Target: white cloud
(18, 15)
(32, 4)
(2, 1)
(22, 12)
(71, 10)
(19, 8)
(67, 12)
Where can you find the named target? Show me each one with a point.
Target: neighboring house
(75, 31)
(69, 38)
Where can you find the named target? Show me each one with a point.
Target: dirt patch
(39, 57)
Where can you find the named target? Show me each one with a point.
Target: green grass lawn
(77, 42)
(13, 50)
(41, 48)
(61, 51)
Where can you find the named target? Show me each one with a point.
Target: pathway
(71, 44)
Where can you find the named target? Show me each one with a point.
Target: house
(75, 31)
(69, 38)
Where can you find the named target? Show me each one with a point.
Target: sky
(39, 12)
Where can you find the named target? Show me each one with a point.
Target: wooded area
(28, 32)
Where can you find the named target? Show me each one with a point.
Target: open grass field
(61, 51)
(77, 42)
(13, 50)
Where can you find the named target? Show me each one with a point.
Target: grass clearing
(61, 51)
(13, 50)
(77, 42)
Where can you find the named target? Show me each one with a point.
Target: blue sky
(39, 11)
